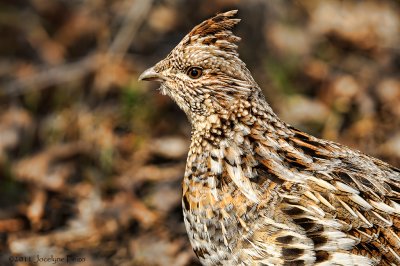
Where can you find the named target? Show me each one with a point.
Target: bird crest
(216, 32)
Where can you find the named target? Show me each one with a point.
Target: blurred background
(91, 160)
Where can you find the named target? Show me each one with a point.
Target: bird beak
(151, 75)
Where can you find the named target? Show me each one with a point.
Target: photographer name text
(51, 259)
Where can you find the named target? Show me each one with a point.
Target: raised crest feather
(217, 31)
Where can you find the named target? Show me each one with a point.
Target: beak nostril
(151, 75)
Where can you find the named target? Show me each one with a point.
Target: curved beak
(151, 75)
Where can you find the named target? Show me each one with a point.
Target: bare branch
(133, 19)
(51, 76)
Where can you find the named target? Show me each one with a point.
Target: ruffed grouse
(257, 191)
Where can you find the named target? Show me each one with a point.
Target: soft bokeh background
(91, 160)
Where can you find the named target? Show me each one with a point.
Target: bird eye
(194, 72)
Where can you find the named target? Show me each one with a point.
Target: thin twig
(51, 76)
(132, 21)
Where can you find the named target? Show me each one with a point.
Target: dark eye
(194, 72)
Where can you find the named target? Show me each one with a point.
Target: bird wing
(346, 202)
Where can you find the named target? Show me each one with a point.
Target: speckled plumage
(257, 191)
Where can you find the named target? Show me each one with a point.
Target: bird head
(203, 73)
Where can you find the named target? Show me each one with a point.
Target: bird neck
(234, 118)
(237, 128)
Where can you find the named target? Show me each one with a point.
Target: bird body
(257, 191)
